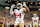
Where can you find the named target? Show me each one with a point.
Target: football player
(19, 13)
(35, 20)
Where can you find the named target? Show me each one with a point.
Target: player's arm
(26, 9)
(11, 10)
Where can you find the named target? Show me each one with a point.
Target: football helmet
(35, 15)
(19, 5)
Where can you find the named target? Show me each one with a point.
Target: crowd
(7, 19)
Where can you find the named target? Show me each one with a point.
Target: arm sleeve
(11, 11)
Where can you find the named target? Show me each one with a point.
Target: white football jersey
(19, 14)
(35, 20)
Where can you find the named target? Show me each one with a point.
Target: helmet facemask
(18, 7)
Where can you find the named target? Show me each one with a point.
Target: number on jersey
(19, 15)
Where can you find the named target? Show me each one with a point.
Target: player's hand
(13, 5)
(24, 4)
